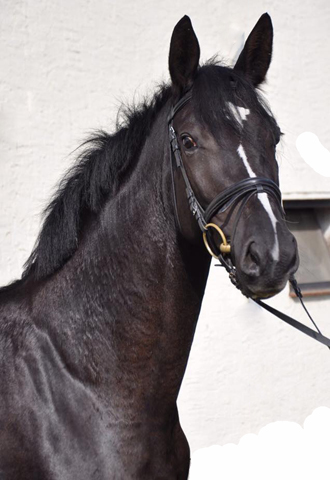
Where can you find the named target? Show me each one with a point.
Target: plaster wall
(65, 68)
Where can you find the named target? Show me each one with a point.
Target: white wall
(65, 68)
(281, 450)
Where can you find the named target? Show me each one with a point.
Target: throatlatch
(238, 194)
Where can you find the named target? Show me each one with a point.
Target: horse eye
(188, 142)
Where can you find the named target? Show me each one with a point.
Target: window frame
(310, 289)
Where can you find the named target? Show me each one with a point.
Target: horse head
(225, 138)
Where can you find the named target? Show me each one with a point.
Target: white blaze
(263, 198)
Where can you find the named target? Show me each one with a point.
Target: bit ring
(224, 247)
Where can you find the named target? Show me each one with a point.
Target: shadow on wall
(281, 450)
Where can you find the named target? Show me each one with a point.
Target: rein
(239, 193)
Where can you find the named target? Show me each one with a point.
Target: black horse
(95, 337)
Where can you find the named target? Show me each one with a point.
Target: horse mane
(97, 173)
(107, 158)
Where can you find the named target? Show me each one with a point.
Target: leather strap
(294, 323)
(239, 190)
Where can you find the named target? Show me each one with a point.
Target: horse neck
(127, 302)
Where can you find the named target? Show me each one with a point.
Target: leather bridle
(239, 195)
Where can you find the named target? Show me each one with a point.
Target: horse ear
(184, 56)
(256, 55)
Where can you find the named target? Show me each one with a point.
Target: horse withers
(95, 336)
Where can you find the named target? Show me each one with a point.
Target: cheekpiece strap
(180, 104)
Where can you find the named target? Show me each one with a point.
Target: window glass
(313, 275)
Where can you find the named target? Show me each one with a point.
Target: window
(309, 221)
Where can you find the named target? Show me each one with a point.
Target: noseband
(241, 192)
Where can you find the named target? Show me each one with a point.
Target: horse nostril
(290, 256)
(253, 254)
(294, 264)
(251, 261)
